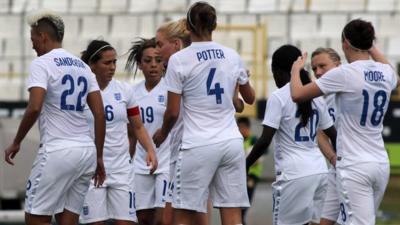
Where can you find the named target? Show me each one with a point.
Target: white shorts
(218, 169)
(298, 201)
(59, 180)
(151, 190)
(171, 183)
(361, 188)
(331, 207)
(115, 199)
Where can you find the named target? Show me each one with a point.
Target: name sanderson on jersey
(68, 61)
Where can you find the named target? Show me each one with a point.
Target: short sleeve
(93, 85)
(130, 97)
(326, 120)
(332, 82)
(38, 75)
(243, 77)
(173, 77)
(273, 112)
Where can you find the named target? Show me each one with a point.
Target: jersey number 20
(81, 81)
(217, 91)
(313, 120)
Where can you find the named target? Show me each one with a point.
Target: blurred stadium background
(255, 28)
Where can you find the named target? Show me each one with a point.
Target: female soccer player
(151, 189)
(362, 90)
(300, 185)
(323, 60)
(116, 198)
(59, 85)
(204, 77)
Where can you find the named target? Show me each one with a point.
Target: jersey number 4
(69, 80)
(380, 98)
(218, 90)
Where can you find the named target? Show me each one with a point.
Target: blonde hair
(333, 55)
(176, 30)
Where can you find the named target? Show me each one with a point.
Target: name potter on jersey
(210, 54)
(374, 76)
(68, 61)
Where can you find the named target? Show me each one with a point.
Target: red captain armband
(133, 111)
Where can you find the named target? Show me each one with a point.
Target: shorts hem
(123, 218)
(40, 213)
(328, 218)
(231, 205)
(93, 220)
(186, 207)
(76, 211)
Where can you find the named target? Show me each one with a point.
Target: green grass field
(390, 205)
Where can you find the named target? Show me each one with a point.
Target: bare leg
(158, 216)
(146, 216)
(168, 215)
(183, 216)
(231, 216)
(31, 219)
(123, 222)
(67, 218)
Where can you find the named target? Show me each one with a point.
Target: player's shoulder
(282, 94)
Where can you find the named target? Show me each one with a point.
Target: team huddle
(164, 150)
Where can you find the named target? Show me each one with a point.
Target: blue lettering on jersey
(68, 61)
(117, 96)
(210, 54)
(374, 76)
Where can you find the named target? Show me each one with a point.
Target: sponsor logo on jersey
(161, 98)
(117, 96)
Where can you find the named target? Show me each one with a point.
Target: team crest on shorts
(85, 210)
(117, 96)
(161, 98)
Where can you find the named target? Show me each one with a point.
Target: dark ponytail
(282, 61)
(92, 54)
(305, 107)
(136, 53)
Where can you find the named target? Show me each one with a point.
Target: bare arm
(326, 147)
(95, 103)
(132, 140)
(32, 112)
(170, 116)
(247, 92)
(299, 92)
(260, 147)
(237, 102)
(144, 139)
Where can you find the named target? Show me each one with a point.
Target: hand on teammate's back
(10, 153)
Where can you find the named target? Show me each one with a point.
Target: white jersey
(67, 81)
(117, 99)
(362, 96)
(296, 150)
(152, 107)
(331, 104)
(205, 74)
(176, 135)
